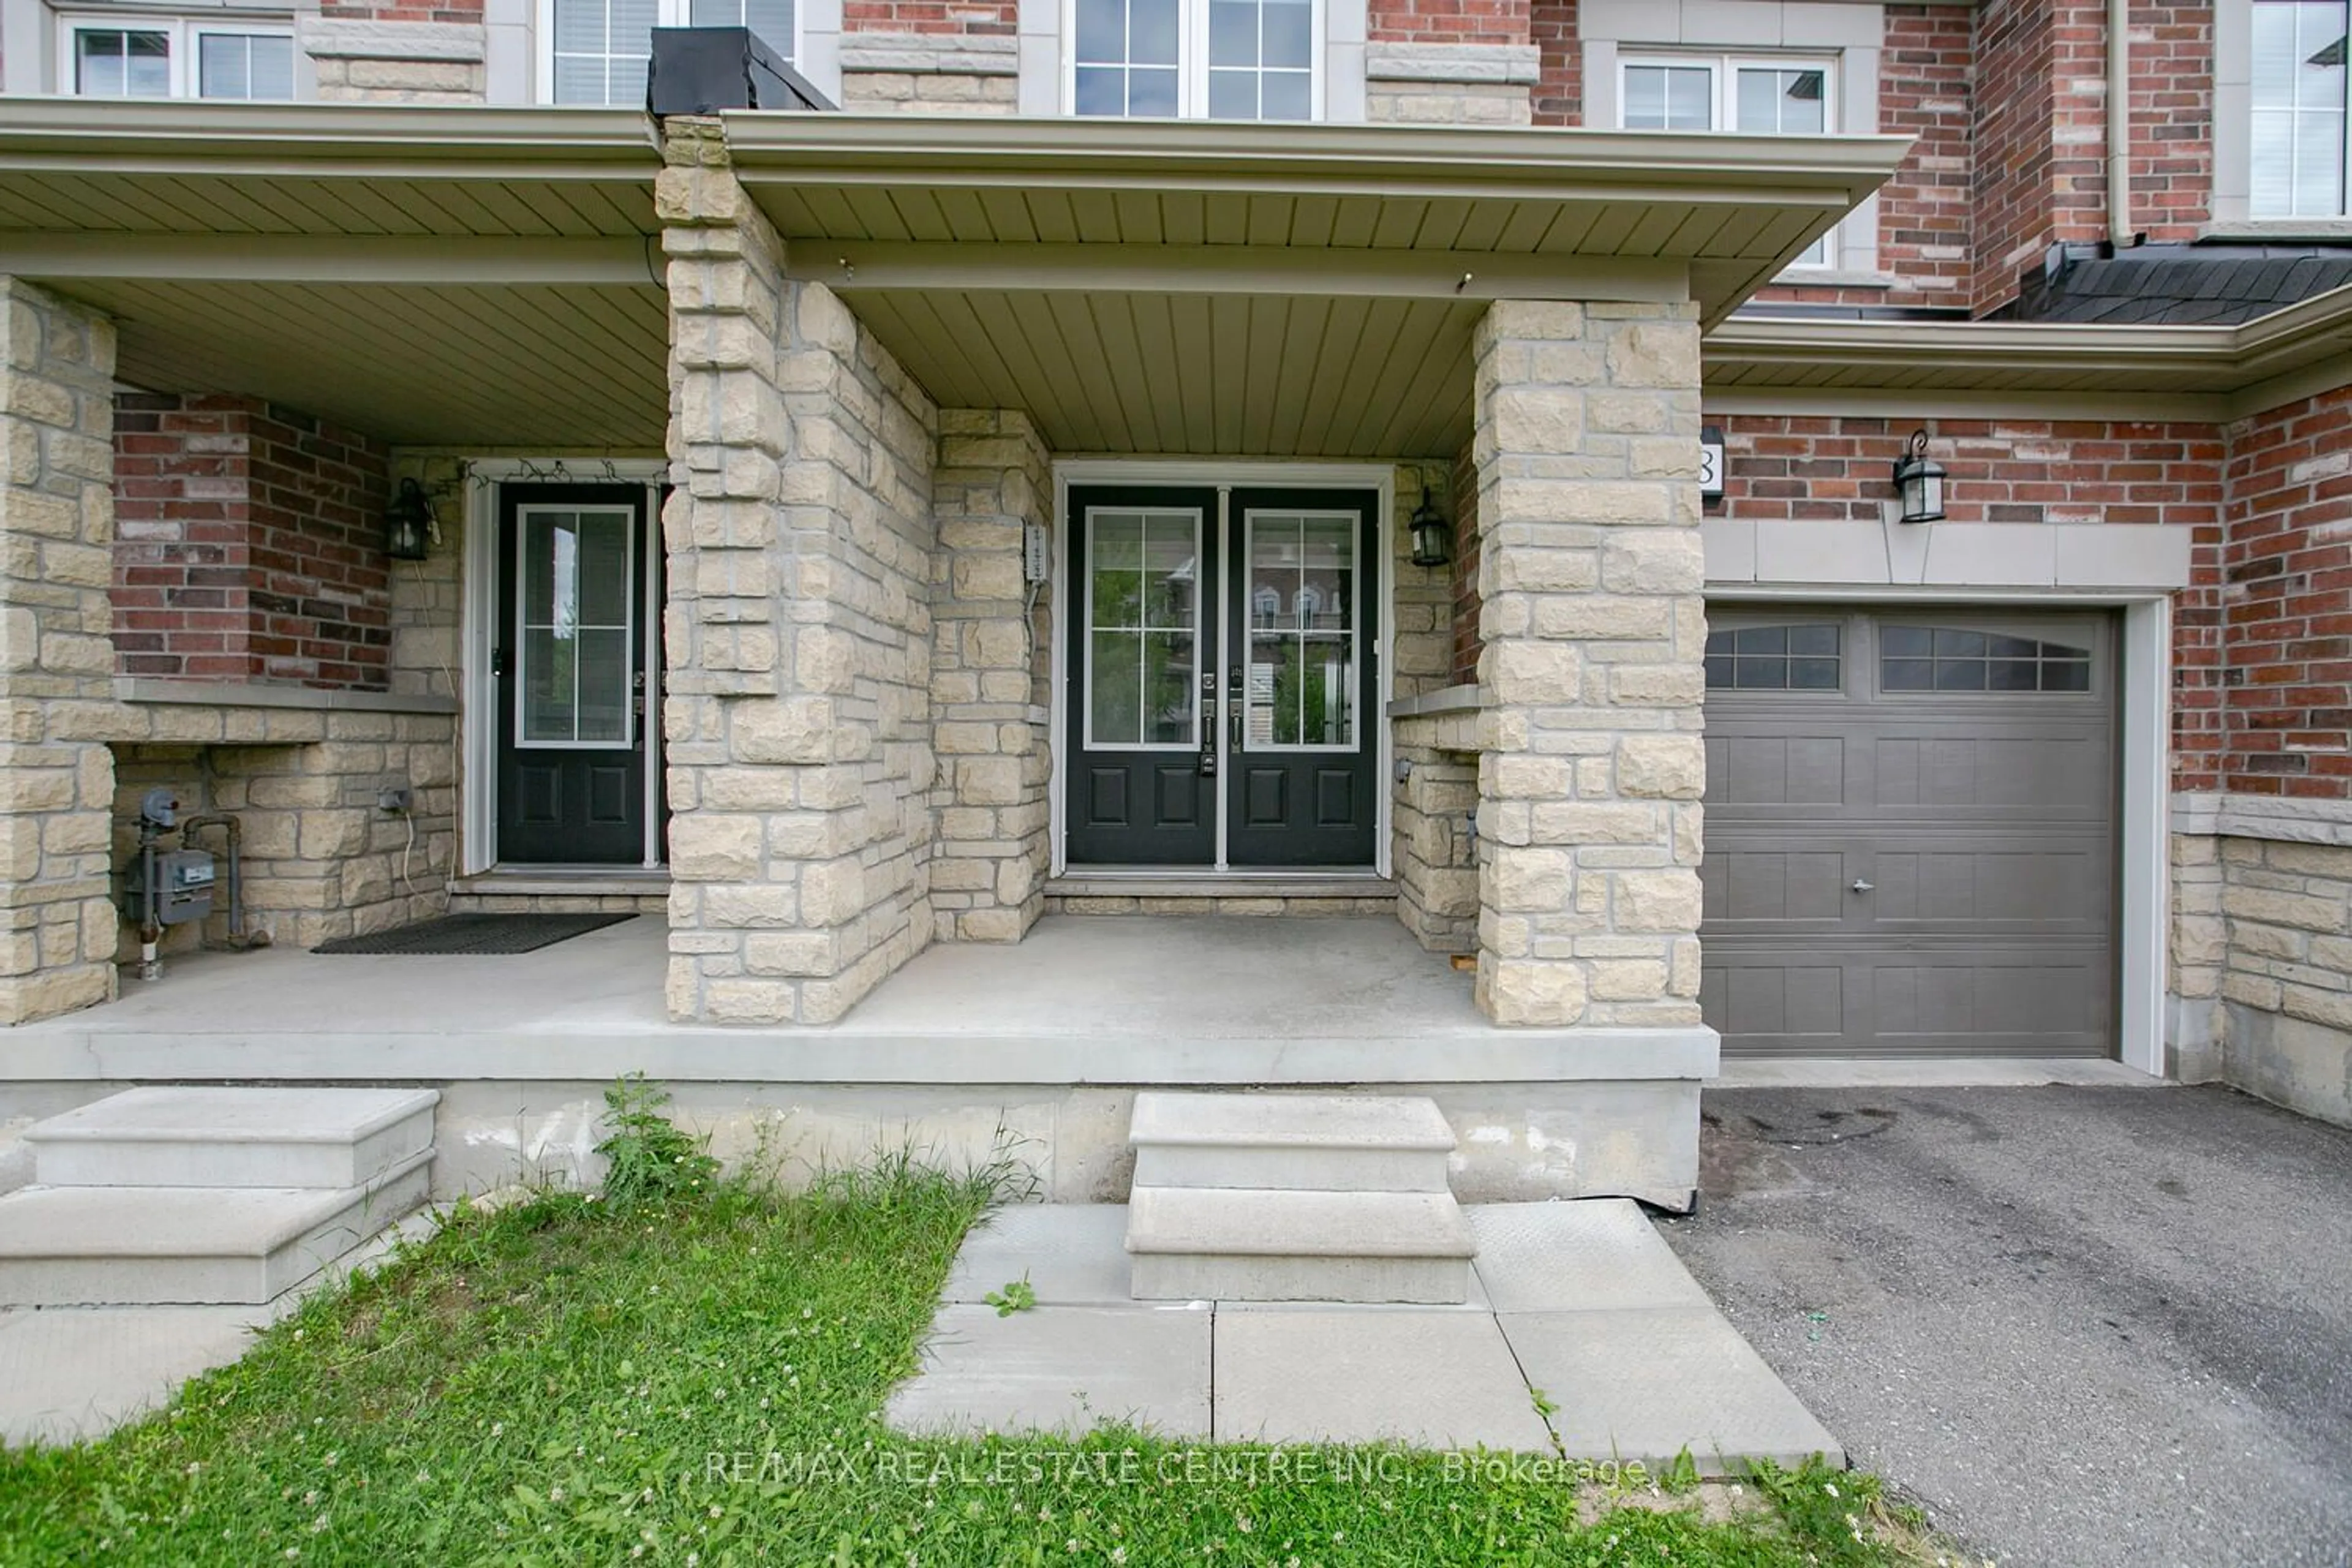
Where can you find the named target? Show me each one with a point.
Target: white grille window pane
(1101, 90)
(1290, 34)
(1102, 33)
(1669, 98)
(123, 64)
(2299, 87)
(1781, 102)
(252, 66)
(1151, 32)
(1286, 95)
(1233, 95)
(769, 20)
(1152, 93)
(1232, 33)
(601, 50)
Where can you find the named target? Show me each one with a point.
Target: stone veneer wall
(322, 859)
(930, 73)
(1591, 578)
(2261, 960)
(798, 632)
(56, 528)
(994, 478)
(1432, 853)
(1450, 83)
(365, 54)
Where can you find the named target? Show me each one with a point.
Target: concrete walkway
(2085, 1327)
(1579, 1300)
(72, 1375)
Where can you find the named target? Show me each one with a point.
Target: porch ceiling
(1188, 287)
(430, 276)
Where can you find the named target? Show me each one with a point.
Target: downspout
(2120, 234)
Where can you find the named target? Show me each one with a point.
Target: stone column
(797, 637)
(56, 535)
(993, 481)
(1591, 576)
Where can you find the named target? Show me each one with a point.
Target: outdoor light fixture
(1433, 537)
(408, 523)
(1919, 480)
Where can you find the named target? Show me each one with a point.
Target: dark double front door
(576, 783)
(1222, 683)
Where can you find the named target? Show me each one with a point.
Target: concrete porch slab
(1061, 1369)
(1128, 1000)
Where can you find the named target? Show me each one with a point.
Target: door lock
(1861, 886)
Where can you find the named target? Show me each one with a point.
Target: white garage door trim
(2145, 717)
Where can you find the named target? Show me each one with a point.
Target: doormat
(476, 934)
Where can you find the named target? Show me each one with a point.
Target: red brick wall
(2287, 604)
(2012, 144)
(247, 545)
(1559, 97)
(1466, 641)
(1448, 21)
(1779, 467)
(2171, 119)
(1926, 88)
(1001, 18)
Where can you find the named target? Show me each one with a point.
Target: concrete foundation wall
(1518, 1140)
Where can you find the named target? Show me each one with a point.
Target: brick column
(1590, 577)
(993, 481)
(57, 533)
(797, 637)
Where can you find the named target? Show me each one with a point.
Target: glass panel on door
(1143, 626)
(1301, 689)
(578, 623)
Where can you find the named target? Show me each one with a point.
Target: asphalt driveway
(2081, 1326)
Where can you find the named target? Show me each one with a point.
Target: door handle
(1861, 886)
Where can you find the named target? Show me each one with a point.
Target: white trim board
(1223, 474)
(2144, 717)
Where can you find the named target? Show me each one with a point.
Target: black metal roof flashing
(2175, 285)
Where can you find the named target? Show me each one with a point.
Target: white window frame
(1192, 63)
(1725, 68)
(666, 14)
(1246, 654)
(183, 31)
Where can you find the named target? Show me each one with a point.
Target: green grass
(700, 1381)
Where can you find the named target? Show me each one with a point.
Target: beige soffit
(431, 276)
(1188, 288)
(2230, 371)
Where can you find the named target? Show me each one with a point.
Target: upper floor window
(164, 56)
(2300, 144)
(1224, 59)
(595, 51)
(1765, 95)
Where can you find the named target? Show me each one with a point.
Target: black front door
(1221, 667)
(573, 677)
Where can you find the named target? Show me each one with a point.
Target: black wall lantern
(1433, 536)
(408, 523)
(1919, 479)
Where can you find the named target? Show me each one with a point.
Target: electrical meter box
(184, 880)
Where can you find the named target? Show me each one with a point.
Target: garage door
(1910, 833)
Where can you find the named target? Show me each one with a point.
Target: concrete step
(1189, 1244)
(119, 1246)
(1316, 1143)
(195, 1137)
